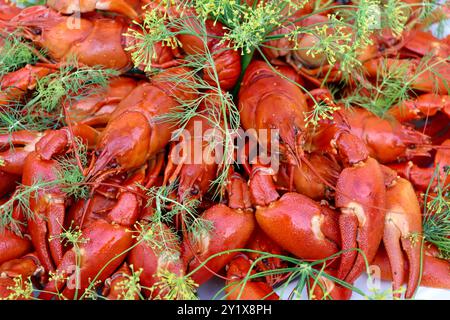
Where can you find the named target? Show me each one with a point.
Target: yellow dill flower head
(174, 287)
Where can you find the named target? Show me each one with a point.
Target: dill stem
(245, 61)
(72, 138)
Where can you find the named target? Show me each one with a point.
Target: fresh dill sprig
(12, 120)
(436, 219)
(297, 274)
(248, 26)
(396, 14)
(70, 83)
(390, 89)
(348, 31)
(320, 111)
(130, 287)
(158, 236)
(225, 118)
(171, 286)
(73, 237)
(44, 109)
(14, 54)
(69, 179)
(70, 176)
(21, 290)
(21, 200)
(157, 232)
(155, 28)
(394, 84)
(215, 9)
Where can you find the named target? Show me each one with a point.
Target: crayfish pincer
(232, 226)
(98, 249)
(360, 196)
(310, 230)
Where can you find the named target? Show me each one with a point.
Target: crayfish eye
(194, 191)
(36, 31)
(97, 153)
(114, 165)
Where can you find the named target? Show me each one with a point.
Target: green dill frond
(91, 293)
(171, 286)
(14, 54)
(130, 287)
(69, 178)
(22, 289)
(297, 274)
(72, 236)
(390, 89)
(320, 111)
(223, 117)
(155, 28)
(427, 8)
(249, 25)
(71, 83)
(69, 173)
(216, 9)
(12, 120)
(247, 28)
(334, 40)
(160, 28)
(394, 85)
(166, 208)
(21, 200)
(396, 14)
(436, 219)
(377, 294)
(44, 109)
(159, 237)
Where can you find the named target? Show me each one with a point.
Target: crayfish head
(283, 118)
(123, 145)
(35, 20)
(195, 180)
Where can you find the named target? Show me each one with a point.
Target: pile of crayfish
(352, 191)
